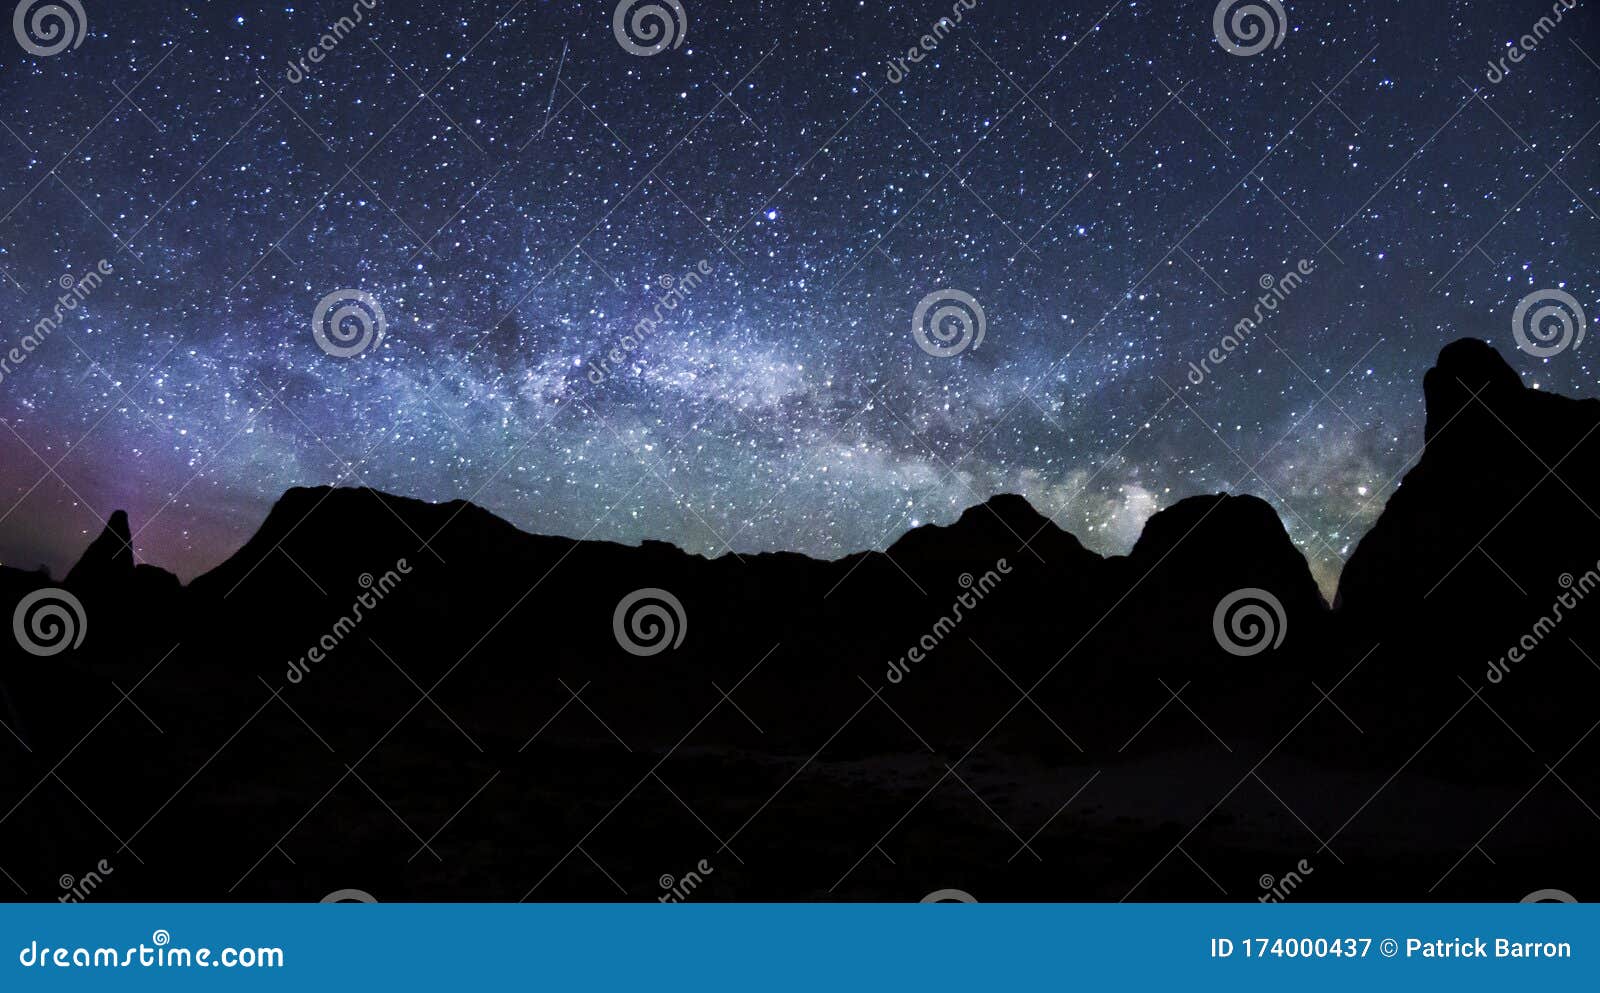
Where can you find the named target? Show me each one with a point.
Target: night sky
(1108, 182)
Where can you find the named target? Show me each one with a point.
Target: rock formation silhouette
(424, 702)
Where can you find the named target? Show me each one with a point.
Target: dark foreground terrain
(420, 702)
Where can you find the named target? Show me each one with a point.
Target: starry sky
(515, 187)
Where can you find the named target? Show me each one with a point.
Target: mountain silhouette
(108, 561)
(1491, 529)
(424, 702)
(1502, 495)
(107, 575)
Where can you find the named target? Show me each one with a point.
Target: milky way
(517, 185)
